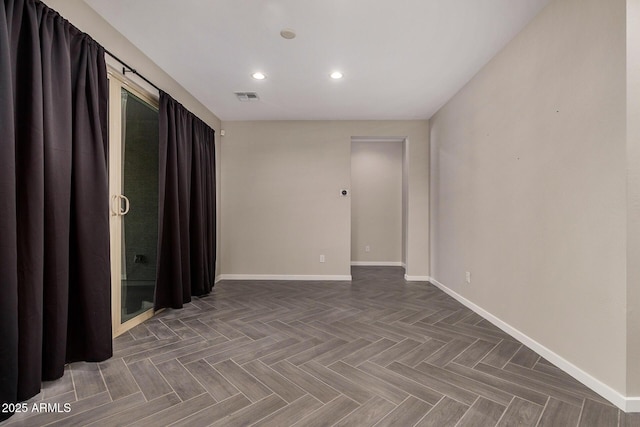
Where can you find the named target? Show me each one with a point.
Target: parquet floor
(376, 351)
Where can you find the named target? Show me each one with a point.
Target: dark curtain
(55, 303)
(187, 206)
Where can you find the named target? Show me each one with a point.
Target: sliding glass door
(133, 169)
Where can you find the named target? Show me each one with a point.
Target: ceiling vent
(247, 96)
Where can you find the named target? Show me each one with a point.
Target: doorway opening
(379, 201)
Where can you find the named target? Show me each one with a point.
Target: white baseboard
(377, 263)
(303, 277)
(633, 404)
(627, 404)
(417, 278)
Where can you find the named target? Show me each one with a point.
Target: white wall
(281, 204)
(529, 187)
(633, 194)
(376, 201)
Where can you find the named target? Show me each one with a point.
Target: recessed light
(336, 75)
(258, 76)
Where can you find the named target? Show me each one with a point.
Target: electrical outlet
(321, 258)
(367, 248)
(468, 277)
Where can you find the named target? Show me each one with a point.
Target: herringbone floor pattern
(376, 351)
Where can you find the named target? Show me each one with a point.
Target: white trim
(377, 263)
(403, 265)
(633, 404)
(378, 138)
(417, 278)
(302, 277)
(627, 404)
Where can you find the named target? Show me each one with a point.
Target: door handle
(127, 205)
(115, 211)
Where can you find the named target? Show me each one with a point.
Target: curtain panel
(55, 303)
(187, 206)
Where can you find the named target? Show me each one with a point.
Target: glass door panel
(139, 182)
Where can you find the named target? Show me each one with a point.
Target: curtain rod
(130, 69)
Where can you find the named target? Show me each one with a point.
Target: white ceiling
(401, 59)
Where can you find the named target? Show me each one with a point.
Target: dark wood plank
(87, 379)
(499, 383)
(340, 352)
(446, 354)
(474, 353)
(370, 382)
(407, 413)
(307, 382)
(479, 388)
(243, 381)
(595, 414)
(525, 357)
(264, 350)
(330, 413)
(291, 351)
(395, 352)
(413, 388)
(182, 382)
(291, 413)
(215, 384)
(316, 351)
(249, 414)
(151, 383)
(558, 413)
(559, 393)
(500, 355)
(230, 353)
(274, 381)
(367, 414)
(482, 413)
(421, 352)
(369, 351)
(520, 413)
(455, 392)
(446, 413)
(101, 412)
(119, 381)
(214, 412)
(177, 412)
(143, 410)
(350, 389)
(629, 419)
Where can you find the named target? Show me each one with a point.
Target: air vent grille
(247, 96)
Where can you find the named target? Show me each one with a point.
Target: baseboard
(377, 263)
(633, 404)
(417, 278)
(303, 277)
(627, 404)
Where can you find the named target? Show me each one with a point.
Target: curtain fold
(187, 211)
(54, 225)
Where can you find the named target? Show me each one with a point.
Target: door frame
(117, 82)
